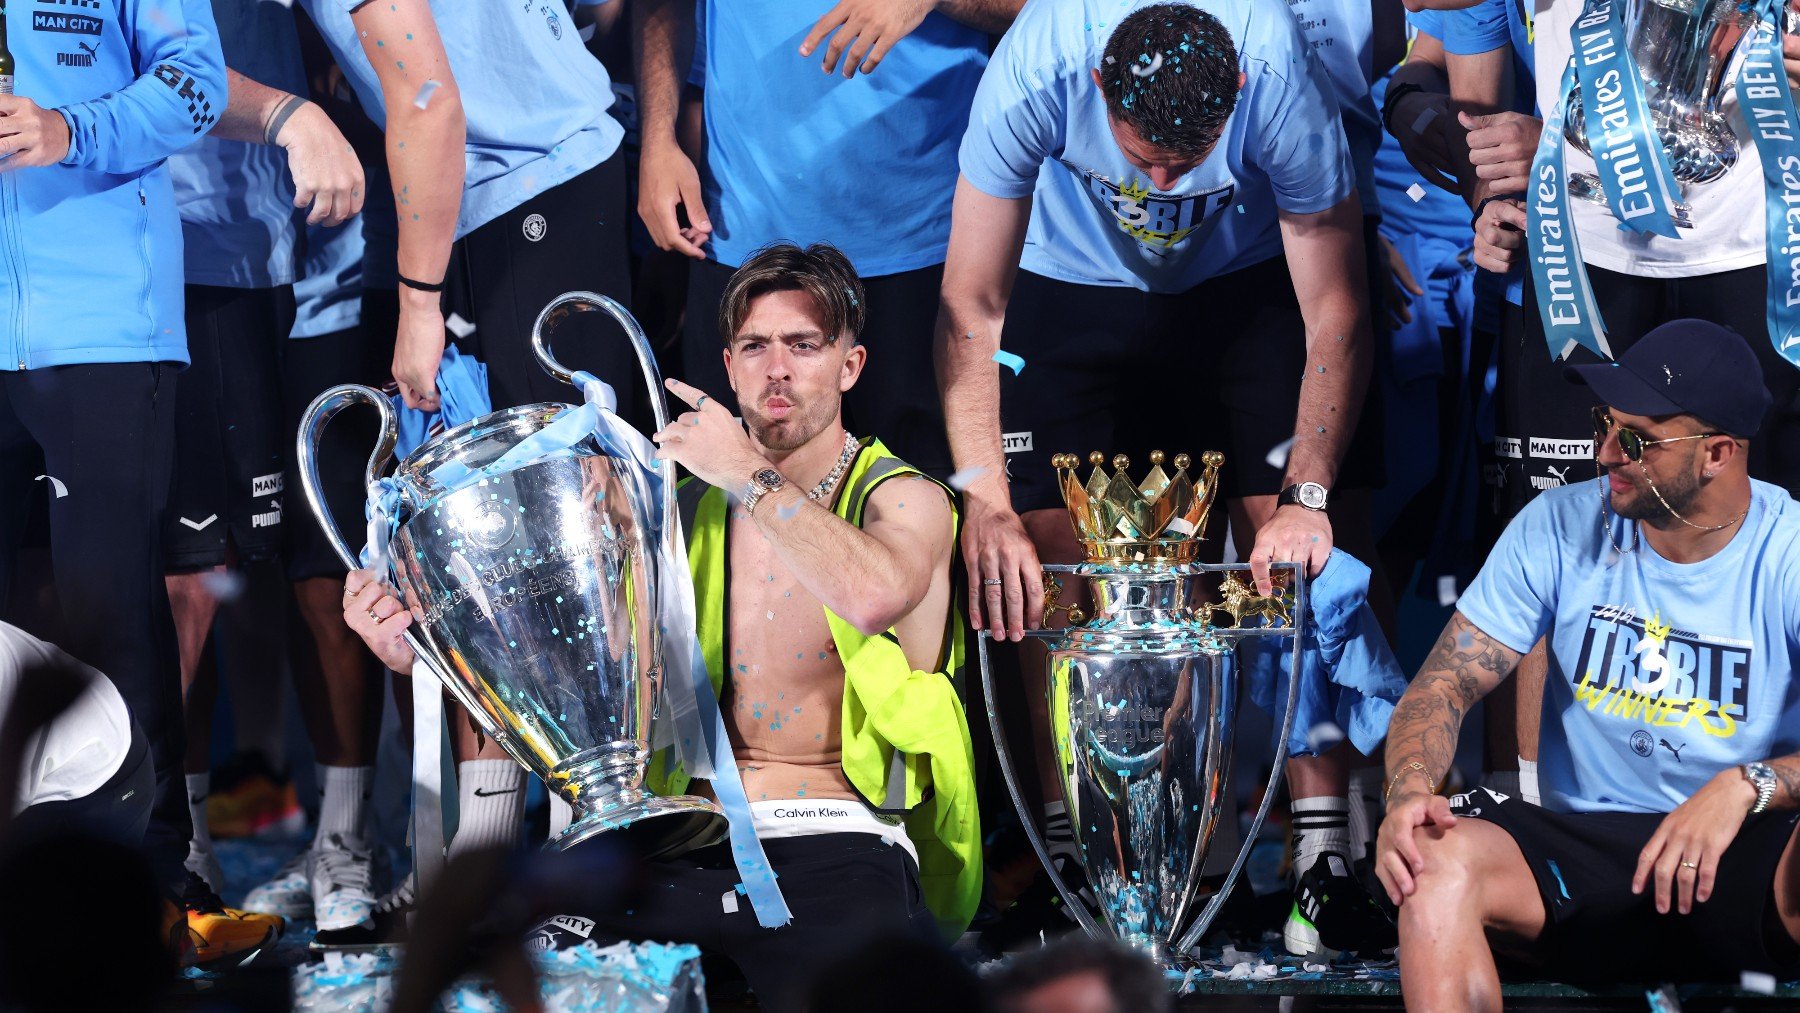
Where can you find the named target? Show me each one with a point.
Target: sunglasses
(1632, 442)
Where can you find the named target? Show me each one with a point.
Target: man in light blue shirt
(1669, 593)
(864, 160)
(1157, 230)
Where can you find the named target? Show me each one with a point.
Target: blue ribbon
(1762, 89)
(1628, 154)
(1565, 297)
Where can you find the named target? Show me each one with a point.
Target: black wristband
(1489, 199)
(1392, 99)
(421, 286)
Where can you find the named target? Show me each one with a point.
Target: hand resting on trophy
(373, 613)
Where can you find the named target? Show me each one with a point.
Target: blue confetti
(1010, 361)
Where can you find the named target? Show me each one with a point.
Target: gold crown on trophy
(1161, 519)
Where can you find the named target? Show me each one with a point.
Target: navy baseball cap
(1684, 367)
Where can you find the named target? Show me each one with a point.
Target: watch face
(1312, 495)
(769, 479)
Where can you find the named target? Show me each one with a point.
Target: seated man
(1669, 590)
(821, 567)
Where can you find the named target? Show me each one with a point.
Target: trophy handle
(1026, 820)
(312, 427)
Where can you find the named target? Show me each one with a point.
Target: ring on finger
(1690, 865)
(702, 402)
(992, 581)
(372, 615)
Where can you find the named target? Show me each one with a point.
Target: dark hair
(1182, 104)
(1133, 980)
(821, 271)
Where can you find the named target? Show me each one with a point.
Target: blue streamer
(1565, 297)
(1768, 106)
(1633, 167)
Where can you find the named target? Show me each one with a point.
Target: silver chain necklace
(830, 480)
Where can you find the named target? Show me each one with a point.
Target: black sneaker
(1334, 912)
(385, 926)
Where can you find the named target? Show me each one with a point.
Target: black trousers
(117, 811)
(844, 891)
(106, 434)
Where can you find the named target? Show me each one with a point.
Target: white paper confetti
(1758, 982)
(1447, 593)
(1424, 121)
(226, 586)
(56, 486)
(1147, 69)
(587, 34)
(729, 902)
(426, 90)
(458, 326)
(1278, 454)
(1323, 736)
(1416, 192)
(966, 477)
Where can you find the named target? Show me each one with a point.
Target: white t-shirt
(79, 751)
(1727, 213)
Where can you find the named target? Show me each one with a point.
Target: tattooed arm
(1464, 666)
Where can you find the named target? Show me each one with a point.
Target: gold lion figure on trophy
(1242, 602)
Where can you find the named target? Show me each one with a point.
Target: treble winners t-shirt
(1661, 674)
(1039, 129)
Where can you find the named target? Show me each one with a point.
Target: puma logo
(1562, 473)
(89, 50)
(1676, 750)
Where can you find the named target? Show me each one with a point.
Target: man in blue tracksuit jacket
(91, 333)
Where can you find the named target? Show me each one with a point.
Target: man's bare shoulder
(915, 505)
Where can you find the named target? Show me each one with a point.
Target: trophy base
(656, 826)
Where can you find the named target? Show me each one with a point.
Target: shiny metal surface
(1686, 52)
(533, 598)
(1143, 699)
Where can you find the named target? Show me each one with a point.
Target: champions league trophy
(1686, 52)
(1143, 697)
(533, 592)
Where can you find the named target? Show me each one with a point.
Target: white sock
(1321, 825)
(1528, 781)
(561, 815)
(1366, 784)
(198, 787)
(490, 802)
(344, 802)
(1059, 834)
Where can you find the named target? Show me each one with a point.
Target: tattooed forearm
(1787, 783)
(1463, 666)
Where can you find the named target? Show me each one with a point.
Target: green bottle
(6, 59)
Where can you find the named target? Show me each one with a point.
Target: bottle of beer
(6, 58)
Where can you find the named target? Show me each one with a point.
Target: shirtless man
(821, 566)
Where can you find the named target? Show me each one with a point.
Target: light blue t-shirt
(1724, 630)
(866, 164)
(1342, 36)
(1039, 129)
(534, 97)
(328, 296)
(238, 222)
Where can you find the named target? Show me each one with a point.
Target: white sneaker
(342, 874)
(289, 893)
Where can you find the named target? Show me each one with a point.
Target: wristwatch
(1310, 495)
(761, 484)
(1763, 777)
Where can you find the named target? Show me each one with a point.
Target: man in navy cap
(1669, 589)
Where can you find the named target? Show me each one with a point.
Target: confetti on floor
(1010, 361)
(1757, 981)
(1416, 192)
(426, 90)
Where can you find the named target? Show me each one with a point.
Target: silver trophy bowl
(1686, 53)
(1143, 700)
(533, 595)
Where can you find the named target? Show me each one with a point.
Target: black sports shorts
(231, 450)
(1543, 434)
(1597, 930)
(1217, 367)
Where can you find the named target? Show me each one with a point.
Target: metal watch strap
(1765, 785)
(755, 490)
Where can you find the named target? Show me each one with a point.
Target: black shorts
(1543, 435)
(897, 397)
(572, 237)
(1217, 367)
(1596, 929)
(362, 354)
(844, 890)
(230, 447)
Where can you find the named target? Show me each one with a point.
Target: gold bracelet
(1410, 766)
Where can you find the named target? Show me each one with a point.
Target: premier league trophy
(1686, 52)
(533, 587)
(1143, 696)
